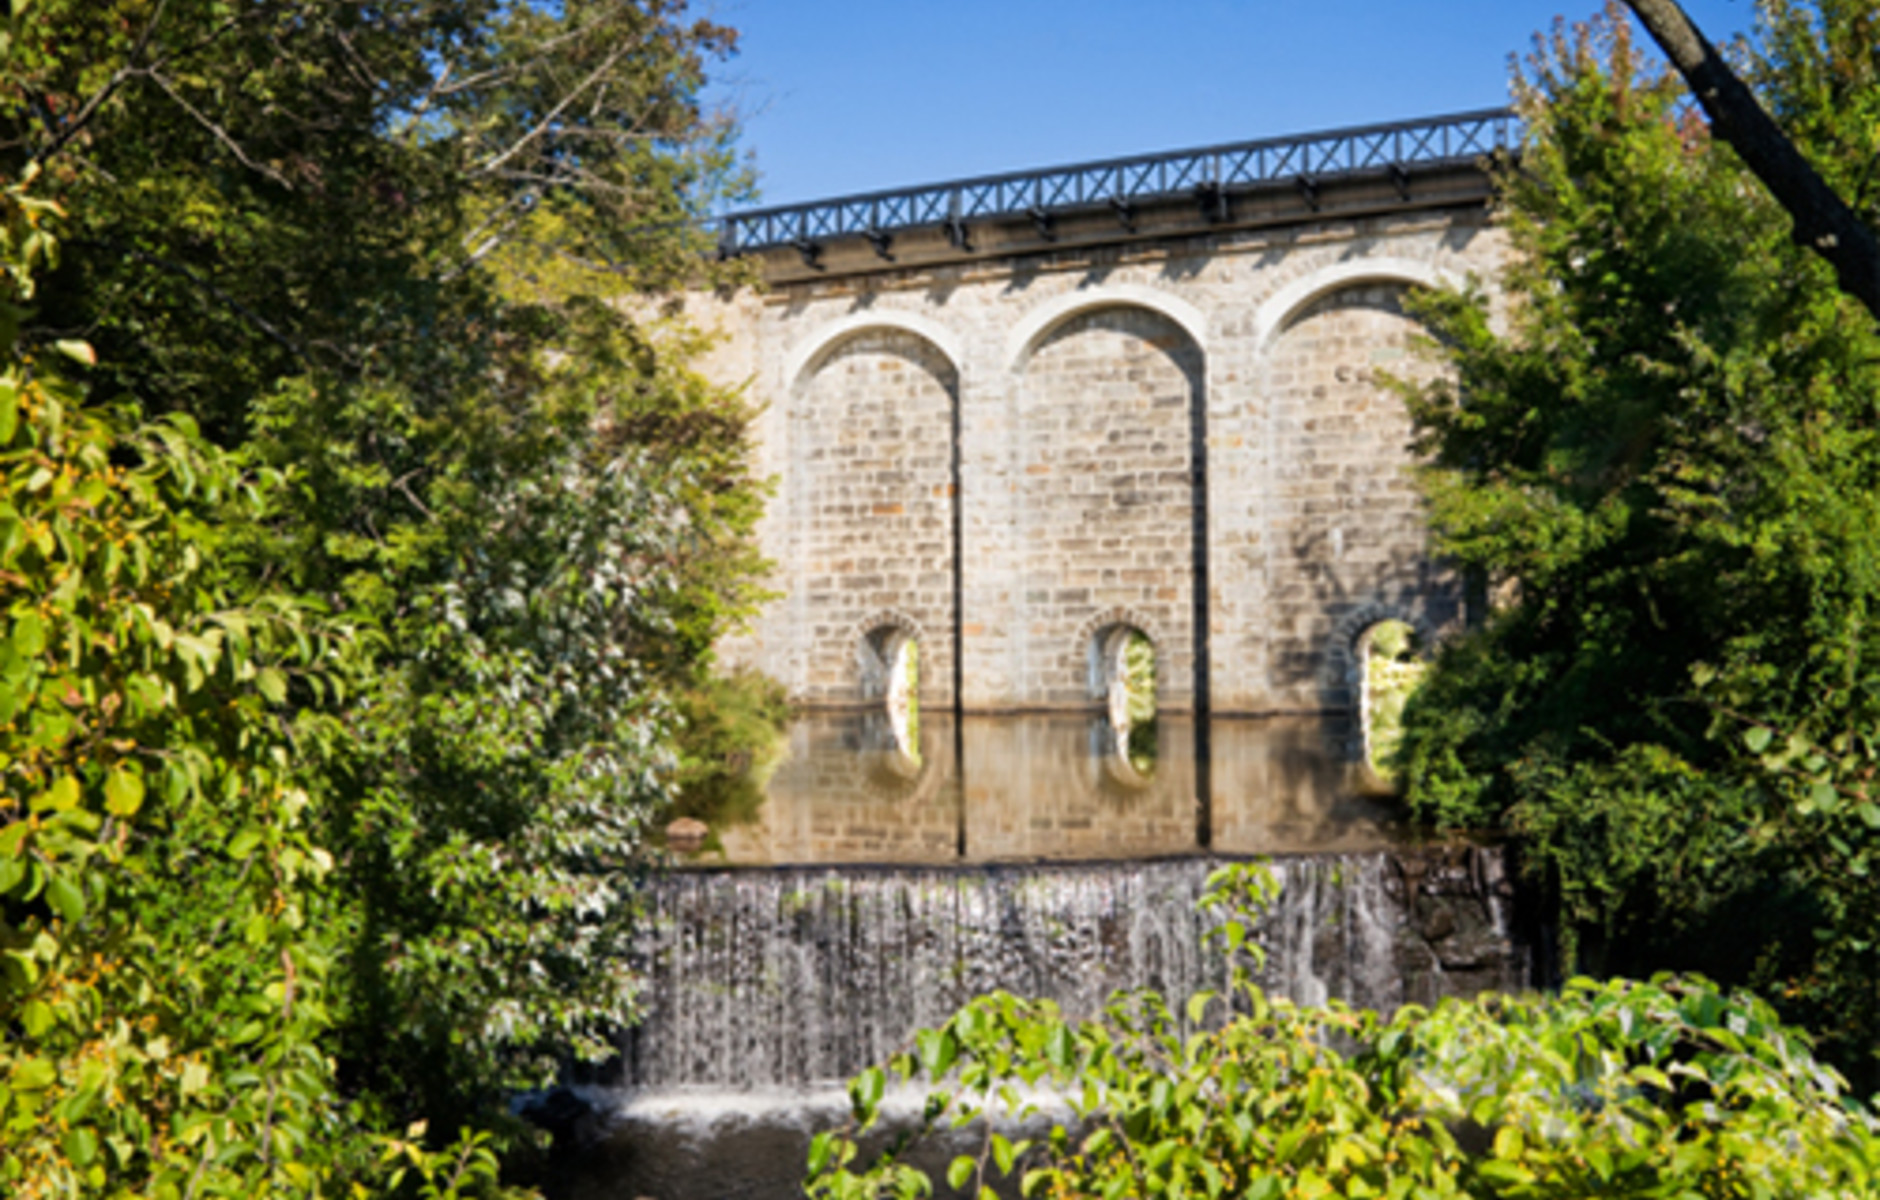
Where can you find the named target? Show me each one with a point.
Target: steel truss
(1209, 176)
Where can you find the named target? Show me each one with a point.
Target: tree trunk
(1823, 222)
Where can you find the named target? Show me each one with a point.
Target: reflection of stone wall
(1048, 787)
(1052, 786)
(1285, 785)
(846, 793)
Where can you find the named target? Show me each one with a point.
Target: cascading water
(767, 988)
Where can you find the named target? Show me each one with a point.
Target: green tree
(161, 999)
(407, 258)
(1664, 460)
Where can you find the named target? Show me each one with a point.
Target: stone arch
(1341, 679)
(872, 493)
(1278, 310)
(1108, 389)
(1042, 321)
(1112, 618)
(1347, 524)
(873, 640)
(802, 360)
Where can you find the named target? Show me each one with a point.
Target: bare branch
(553, 114)
(1822, 220)
(221, 134)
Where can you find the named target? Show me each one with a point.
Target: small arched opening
(1390, 668)
(890, 660)
(1122, 678)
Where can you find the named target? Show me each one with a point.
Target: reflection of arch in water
(1123, 761)
(888, 765)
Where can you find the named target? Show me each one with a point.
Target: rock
(687, 835)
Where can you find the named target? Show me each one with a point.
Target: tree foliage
(1667, 1088)
(1664, 457)
(163, 999)
(459, 523)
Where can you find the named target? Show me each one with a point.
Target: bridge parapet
(1406, 165)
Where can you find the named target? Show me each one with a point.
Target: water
(1054, 787)
(776, 979)
(879, 886)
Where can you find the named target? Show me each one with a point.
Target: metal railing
(1210, 175)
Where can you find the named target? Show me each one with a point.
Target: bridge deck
(1255, 182)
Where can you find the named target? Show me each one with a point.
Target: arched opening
(1390, 669)
(1110, 484)
(891, 673)
(1122, 666)
(873, 505)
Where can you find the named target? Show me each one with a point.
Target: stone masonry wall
(1106, 519)
(1077, 379)
(1347, 520)
(872, 506)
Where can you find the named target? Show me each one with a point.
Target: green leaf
(1198, 1006)
(123, 791)
(1756, 738)
(63, 795)
(959, 1172)
(37, 1017)
(29, 634)
(65, 897)
(77, 351)
(35, 1074)
(865, 1092)
(81, 1144)
(1508, 1143)
(1003, 1153)
(1060, 1048)
(938, 1049)
(820, 1148)
(1824, 798)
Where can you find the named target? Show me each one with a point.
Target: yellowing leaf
(123, 791)
(77, 350)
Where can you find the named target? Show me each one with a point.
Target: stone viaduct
(1009, 415)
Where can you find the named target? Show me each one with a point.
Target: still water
(1056, 787)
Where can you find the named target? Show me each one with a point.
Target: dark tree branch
(1823, 222)
(249, 315)
(220, 134)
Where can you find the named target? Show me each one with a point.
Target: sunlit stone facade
(1006, 451)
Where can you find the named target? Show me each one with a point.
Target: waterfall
(790, 977)
(767, 988)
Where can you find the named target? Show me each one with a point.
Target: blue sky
(841, 96)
